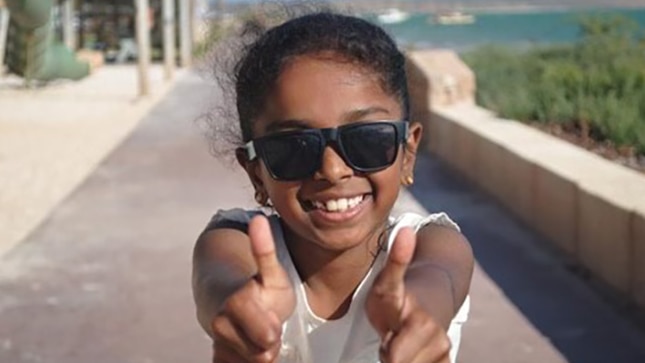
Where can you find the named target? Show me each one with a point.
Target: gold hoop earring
(407, 181)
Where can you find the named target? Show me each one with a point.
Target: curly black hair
(264, 54)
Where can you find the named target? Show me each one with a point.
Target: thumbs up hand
(248, 328)
(408, 332)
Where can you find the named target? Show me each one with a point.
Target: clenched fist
(248, 328)
(408, 333)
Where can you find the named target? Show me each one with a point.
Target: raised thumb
(270, 270)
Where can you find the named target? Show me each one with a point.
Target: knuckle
(237, 302)
(267, 355)
(218, 325)
(444, 344)
(422, 321)
(384, 294)
(274, 338)
(264, 357)
(438, 336)
(380, 290)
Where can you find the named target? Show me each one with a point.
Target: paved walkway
(52, 138)
(106, 277)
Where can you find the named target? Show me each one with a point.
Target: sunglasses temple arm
(406, 132)
(250, 150)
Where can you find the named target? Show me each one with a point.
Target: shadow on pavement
(566, 311)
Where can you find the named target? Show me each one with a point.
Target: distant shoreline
(518, 27)
(521, 9)
(369, 7)
(496, 8)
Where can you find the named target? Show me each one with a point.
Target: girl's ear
(252, 169)
(241, 156)
(415, 131)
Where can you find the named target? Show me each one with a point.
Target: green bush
(596, 84)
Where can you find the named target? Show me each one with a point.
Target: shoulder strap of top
(236, 218)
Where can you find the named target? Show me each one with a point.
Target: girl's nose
(332, 167)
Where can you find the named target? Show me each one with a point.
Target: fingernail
(265, 357)
(270, 337)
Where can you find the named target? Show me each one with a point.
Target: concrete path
(106, 277)
(52, 138)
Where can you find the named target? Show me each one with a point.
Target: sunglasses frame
(331, 137)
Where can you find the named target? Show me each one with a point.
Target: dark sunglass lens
(292, 157)
(370, 146)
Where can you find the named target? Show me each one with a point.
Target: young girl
(329, 276)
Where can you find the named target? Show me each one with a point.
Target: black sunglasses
(295, 155)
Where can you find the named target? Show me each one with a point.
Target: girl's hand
(249, 326)
(408, 333)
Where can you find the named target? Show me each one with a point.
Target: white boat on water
(453, 18)
(392, 16)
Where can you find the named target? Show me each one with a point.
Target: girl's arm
(222, 264)
(440, 272)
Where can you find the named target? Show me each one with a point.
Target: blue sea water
(522, 29)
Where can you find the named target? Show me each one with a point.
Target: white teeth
(338, 205)
(332, 205)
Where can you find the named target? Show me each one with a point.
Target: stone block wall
(588, 207)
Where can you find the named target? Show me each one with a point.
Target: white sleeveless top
(307, 338)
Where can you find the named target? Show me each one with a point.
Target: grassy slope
(596, 86)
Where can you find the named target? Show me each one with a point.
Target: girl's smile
(337, 210)
(340, 204)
